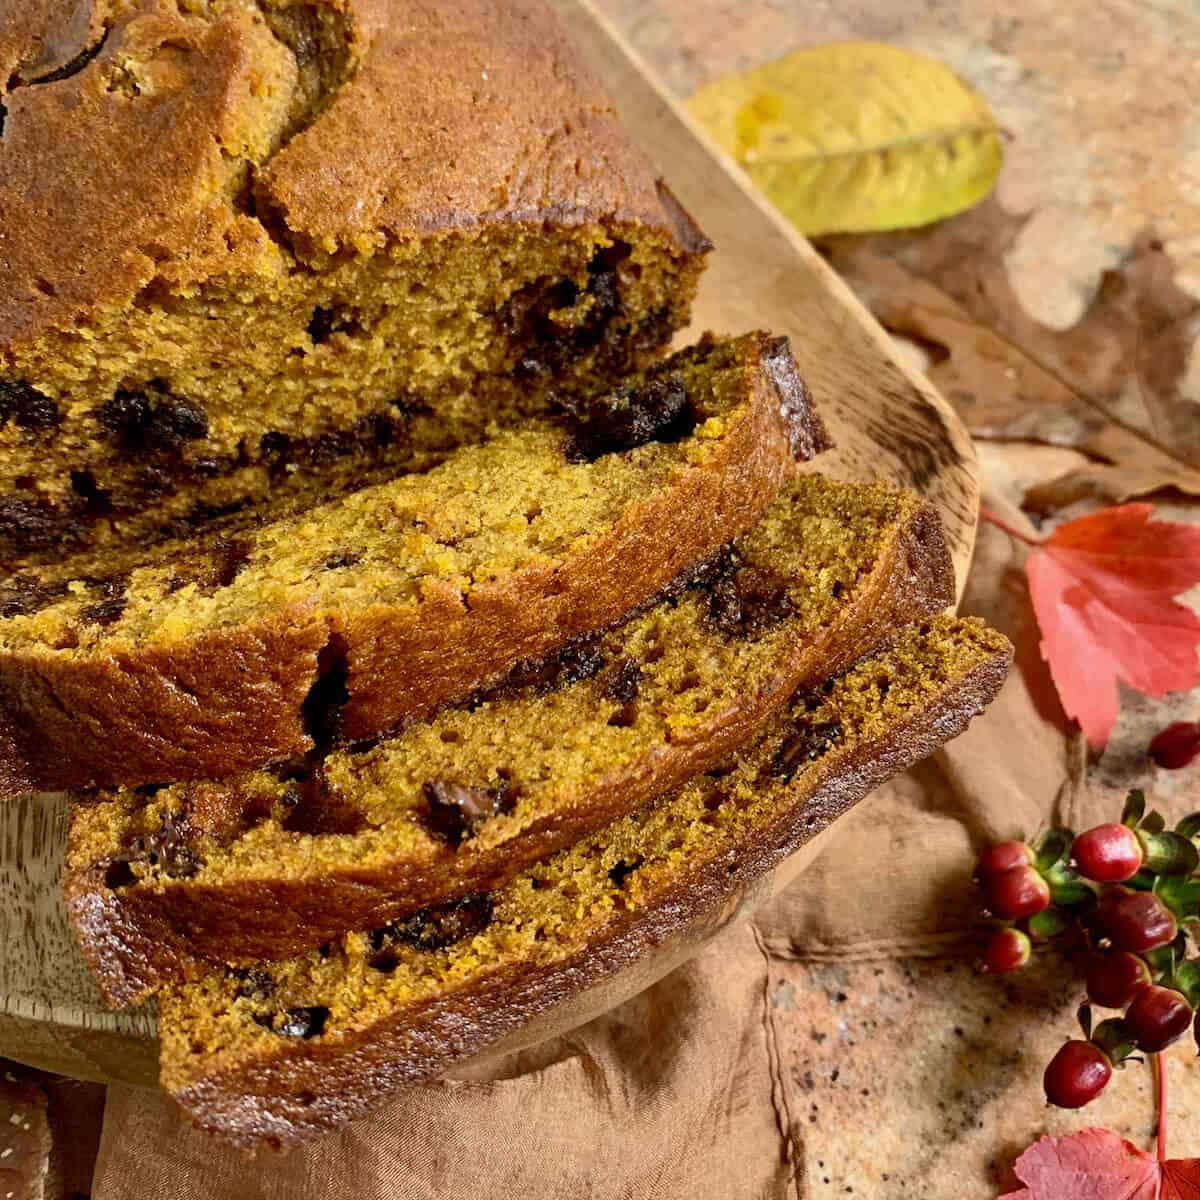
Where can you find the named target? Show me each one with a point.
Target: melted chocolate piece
(335, 318)
(578, 659)
(314, 808)
(232, 555)
(657, 409)
(553, 320)
(169, 849)
(254, 984)
(437, 928)
(105, 612)
(622, 681)
(747, 601)
(27, 525)
(303, 1022)
(622, 872)
(805, 743)
(21, 595)
(85, 485)
(151, 420)
(26, 407)
(456, 810)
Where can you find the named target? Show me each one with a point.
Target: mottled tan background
(922, 1079)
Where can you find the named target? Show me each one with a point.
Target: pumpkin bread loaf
(267, 865)
(198, 661)
(240, 237)
(283, 1051)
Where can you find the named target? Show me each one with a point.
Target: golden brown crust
(135, 937)
(308, 1087)
(234, 699)
(390, 156)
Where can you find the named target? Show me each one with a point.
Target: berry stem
(1160, 1088)
(987, 515)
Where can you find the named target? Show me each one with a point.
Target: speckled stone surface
(919, 1078)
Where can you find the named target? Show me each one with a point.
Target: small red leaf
(1103, 589)
(1177, 746)
(1095, 1164)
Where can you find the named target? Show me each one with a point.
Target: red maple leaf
(1103, 589)
(1095, 1164)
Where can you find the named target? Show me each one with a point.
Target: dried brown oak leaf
(1110, 386)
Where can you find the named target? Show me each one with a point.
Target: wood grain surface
(887, 421)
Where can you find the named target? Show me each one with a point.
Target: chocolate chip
(622, 871)
(747, 601)
(155, 481)
(320, 325)
(274, 444)
(168, 848)
(456, 809)
(437, 928)
(151, 420)
(552, 320)
(622, 681)
(312, 807)
(108, 587)
(327, 320)
(21, 595)
(657, 409)
(26, 407)
(805, 743)
(106, 612)
(232, 555)
(385, 961)
(96, 498)
(579, 659)
(254, 983)
(307, 1022)
(27, 524)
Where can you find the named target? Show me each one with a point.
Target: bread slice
(267, 865)
(252, 233)
(205, 660)
(280, 1052)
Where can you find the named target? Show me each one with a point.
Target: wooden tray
(888, 423)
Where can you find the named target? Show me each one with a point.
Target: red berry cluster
(1130, 891)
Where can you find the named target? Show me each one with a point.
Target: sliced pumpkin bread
(239, 233)
(269, 864)
(283, 1051)
(200, 661)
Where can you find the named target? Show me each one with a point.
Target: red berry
(1009, 950)
(1156, 1017)
(1177, 746)
(1003, 856)
(1108, 854)
(1135, 921)
(1112, 980)
(1016, 893)
(1076, 1075)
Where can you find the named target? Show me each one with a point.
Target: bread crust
(305, 1088)
(136, 937)
(232, 699)
(386, 150)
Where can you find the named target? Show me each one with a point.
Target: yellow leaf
(857, 137)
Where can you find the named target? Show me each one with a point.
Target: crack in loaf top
(176, 143)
